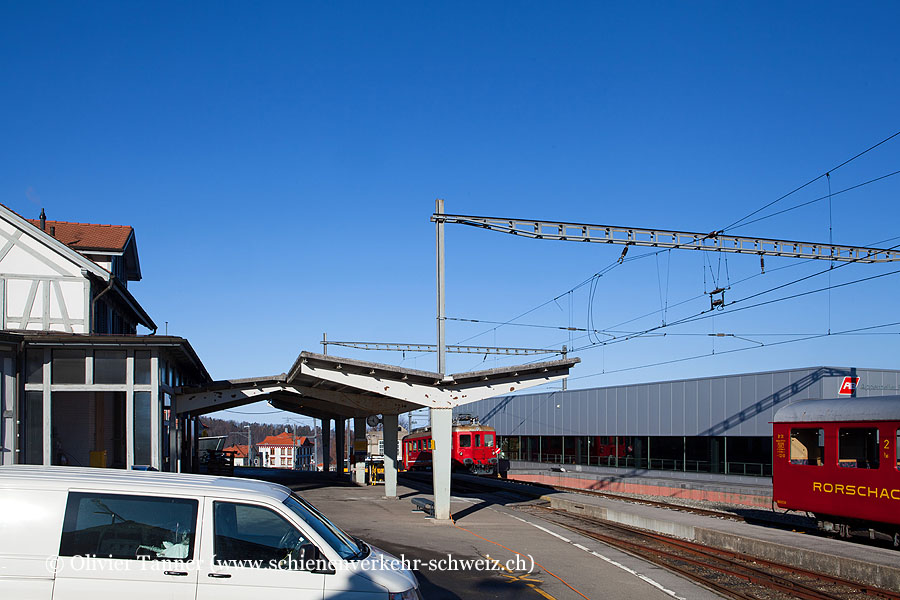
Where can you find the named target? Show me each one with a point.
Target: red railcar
(838, 459)
(474, 448)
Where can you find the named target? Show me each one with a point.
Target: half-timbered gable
(68, 277)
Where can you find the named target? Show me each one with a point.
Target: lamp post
(249, 445)
(249, 435)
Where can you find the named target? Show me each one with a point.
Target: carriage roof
(873, 408)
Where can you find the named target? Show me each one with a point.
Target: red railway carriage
(605, 447)
(474, 448)
(838, 459)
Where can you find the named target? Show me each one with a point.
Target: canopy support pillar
(441, 425)
(389, 423)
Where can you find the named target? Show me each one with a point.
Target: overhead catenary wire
(593, 280)
(810, 182)
(709, 313)
(780, 343)
(814, 200)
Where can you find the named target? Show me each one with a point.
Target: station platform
(489, 529)
(493, 524)
(856, 560)
(708, 487)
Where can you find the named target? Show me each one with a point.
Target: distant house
(240, 454)
(285, 451)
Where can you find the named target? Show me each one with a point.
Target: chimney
(43, 221)
(53, 231)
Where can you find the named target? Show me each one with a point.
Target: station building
(720, 425)
(78, 385)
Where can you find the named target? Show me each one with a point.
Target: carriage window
(858, 448)
(465, 440)
(808, 447)
(477, 437)
(897, 452)
(489, 440)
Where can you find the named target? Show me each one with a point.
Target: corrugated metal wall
(734, 405)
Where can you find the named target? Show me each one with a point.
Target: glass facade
(698, 454)
(110, 366)
(142, 367)
(142, 427)
(32, 435)
(67, 366)
(34, 366)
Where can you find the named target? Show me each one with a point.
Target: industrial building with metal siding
(707, 425)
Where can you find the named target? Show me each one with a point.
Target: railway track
(731, 574)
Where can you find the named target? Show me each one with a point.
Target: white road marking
(614, 563)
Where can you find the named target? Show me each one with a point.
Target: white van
(79, 533)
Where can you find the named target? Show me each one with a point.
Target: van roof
(116, 480)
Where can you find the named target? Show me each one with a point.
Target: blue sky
(280, 161)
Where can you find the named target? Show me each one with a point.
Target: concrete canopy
(323, 386)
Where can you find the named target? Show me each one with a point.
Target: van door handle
(219, 575)
(176, 573)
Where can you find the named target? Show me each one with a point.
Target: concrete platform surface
(861, 562)
(748, 491)
(564, 566)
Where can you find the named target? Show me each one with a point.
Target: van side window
(254, 537)
(858, 447)
(808, 446)
(128, 527)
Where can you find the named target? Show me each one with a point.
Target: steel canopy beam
(715, 241)
(447, 394)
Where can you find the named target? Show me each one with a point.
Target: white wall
(40, 287)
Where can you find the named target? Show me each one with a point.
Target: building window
(110, 366)
(858, 448)
(128, 527)
(68, 366)
(34, 365)
(808, 446)
(142, 422)
(33, 428)
(380, 446)
(142, 367)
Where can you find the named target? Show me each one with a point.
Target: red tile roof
(240, 451)
(282, 439)
(88, 236)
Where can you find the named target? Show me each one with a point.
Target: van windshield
(343, 544)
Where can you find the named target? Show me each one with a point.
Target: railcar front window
(489, 440)
(465, 440)
(808, 446)
(858, 448)
(897, 452)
